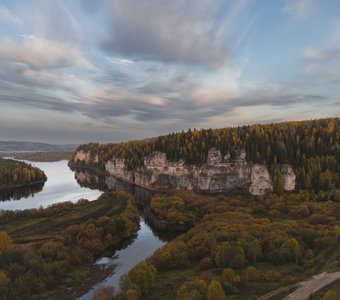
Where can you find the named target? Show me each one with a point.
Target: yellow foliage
(6, 243)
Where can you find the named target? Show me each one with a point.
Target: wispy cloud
(322, 61)
(120, 61)
(299, 8)
(41, 53)
(7, 16)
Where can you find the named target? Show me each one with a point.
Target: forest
(16, 173)
(238, 247)
(311, 147)
(44, 251)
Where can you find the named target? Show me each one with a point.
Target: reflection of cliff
(20, 192)
(216, 175)
(90, 179)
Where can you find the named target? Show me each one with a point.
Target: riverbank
(19, 186)
(38, 156)
(56, 247)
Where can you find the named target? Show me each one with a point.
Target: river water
(60, 186)
(64, 185)
(140, 249)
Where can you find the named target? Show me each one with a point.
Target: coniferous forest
(311, 147)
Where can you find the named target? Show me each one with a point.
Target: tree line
(14, 173)
(311, 147)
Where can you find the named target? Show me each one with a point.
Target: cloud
(29, 98)
(52, 20)
(322, 61)
(8, 17)
(159, 104)
(44, 64)
(298, 8)
(41, 53)
(169, 31)
(120, 61)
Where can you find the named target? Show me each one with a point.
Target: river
(60, 186)
(64, 185)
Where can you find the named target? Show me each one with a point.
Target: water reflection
(59, 187)
(142, 196)
(141, 248)
(20, 192)
(150, 237)
(89, 179)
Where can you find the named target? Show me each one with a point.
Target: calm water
(59, 187)
(140, 249)
(64, 185)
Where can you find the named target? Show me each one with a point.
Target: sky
(114, 70)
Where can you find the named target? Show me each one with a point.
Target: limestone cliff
(289, 177)
(86, 157)
(216, 175)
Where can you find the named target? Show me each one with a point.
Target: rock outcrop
(288, 177)
(216, 175)
(117, 168)
(86, 157)
(261, 180)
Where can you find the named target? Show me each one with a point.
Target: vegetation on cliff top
(311, 147)
(16, 173)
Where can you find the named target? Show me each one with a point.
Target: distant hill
(31, 146)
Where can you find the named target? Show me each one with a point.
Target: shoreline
(3, 188)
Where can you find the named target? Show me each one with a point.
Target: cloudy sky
(111, 70)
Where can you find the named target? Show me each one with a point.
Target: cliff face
(86, 157)
(216, 175)
(289, 177)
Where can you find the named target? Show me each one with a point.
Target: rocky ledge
(218, 174)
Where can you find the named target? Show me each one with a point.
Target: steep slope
(311, 148)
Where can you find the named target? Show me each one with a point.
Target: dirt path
(305, 288)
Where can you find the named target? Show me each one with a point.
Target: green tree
(255, 251)
(143, 276)
(290, 250)
(132, 294)
(252, 274)
(278, 183)
(223, 254)
(215, 291)
(229, 275)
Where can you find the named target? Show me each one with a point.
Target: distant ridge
(31, 146)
